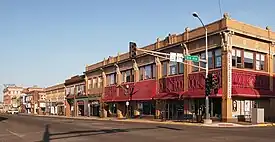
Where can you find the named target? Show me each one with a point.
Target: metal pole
(206, 76)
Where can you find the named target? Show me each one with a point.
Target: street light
(207, 120)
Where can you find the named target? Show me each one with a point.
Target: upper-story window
(127, 76)
(217, 58)
(173, 68)
(111, 79)
(236, 58)
(100, 82)
(90, 83)
(260, 60)
(248, 59)
(148, 72)
(164, 68)
(94, 83)
(214, 60)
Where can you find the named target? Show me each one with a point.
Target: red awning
(145, 90)
(199, 93)
(251, 92)
(167, 96)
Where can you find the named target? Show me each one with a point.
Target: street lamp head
(195, 14)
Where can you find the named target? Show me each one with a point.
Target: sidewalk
(214, 124)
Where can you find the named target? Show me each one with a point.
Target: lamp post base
(207, 121)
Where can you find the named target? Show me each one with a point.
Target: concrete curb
(156, 122)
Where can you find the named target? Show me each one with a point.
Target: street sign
(192, 58)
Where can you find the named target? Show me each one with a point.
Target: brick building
(55, 99)
(35, 100)
(76, 99)
(240, 54)
(11, 95)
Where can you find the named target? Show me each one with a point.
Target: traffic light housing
(208, 85)
(215, 83)
(133, 50)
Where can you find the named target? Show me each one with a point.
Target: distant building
(12, 97)
(55, 99)
(35, 100)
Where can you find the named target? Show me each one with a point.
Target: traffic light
(133, 50)
(208, 85)
(215, 83)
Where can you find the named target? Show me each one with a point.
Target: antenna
(220, 8)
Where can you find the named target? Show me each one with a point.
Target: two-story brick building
(76, 99)
(240, 54)
(35, 100)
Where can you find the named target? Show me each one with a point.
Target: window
(141, 73)
(94, 83)
(248, 60)
(195, 69)
(154, 70)
(111, 78)
(164, 68)
(218, 58)
(128, 76)
(260, 58)
(236, 58)
(90, 83)
(203, 57)
(100, 82)
(210, 59)
(181, 68)
(148, 72)
(173, 68)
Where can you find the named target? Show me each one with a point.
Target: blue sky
(44, 42)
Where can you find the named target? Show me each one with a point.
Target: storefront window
(218, 58)
(260, 59)
(148, 108)
(173, 68)
(248, 60)
(164, 68)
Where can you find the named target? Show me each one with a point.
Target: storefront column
(86, 111)
(158, 77)
(227, 77)
(120, 110)
(103, 110)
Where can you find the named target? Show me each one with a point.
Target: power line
(220, 7)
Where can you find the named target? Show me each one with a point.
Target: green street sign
(192, 58)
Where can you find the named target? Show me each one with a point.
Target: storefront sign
(229, 75)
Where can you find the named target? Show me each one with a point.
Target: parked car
(13, 111)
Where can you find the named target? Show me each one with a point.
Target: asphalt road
(18, 128)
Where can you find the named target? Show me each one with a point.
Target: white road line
(18, 135)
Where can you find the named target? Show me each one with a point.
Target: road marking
(16, 134)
